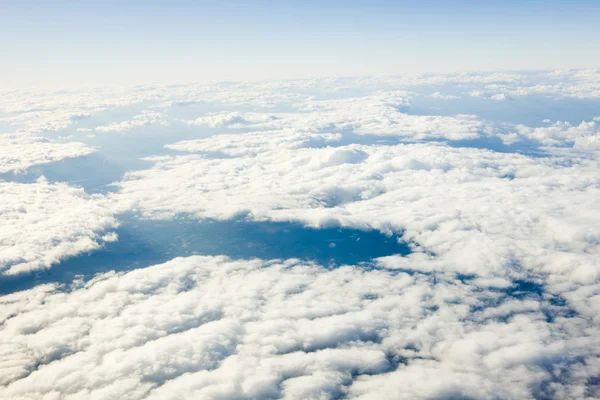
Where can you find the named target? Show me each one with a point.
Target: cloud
(233, 119)
(21, 151)
(565, 84)
(256, 142)
(376, 114)
(499, 297)
(43, 223)
(209, 327)
(582, 84)
(487, 95)
(438, 95)
(480, 212)
(144, 119)
(586, 135)
(500, 97)
(381, 114)
(42, 111)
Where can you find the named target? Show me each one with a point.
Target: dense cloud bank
(498, 298)
(479, 212)
(40, 111)
(43, 223)
(208, 327)
(22, 151)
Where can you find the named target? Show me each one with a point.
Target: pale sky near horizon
(64, 43)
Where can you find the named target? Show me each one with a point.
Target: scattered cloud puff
(256, 142)
(570, 83)
(144, 119)
(21, 151)
(40, 111)
(43, 223)
(575, 83)
(586, 135)
(209, 327)
(438, 95)
(377, 114)
(231, 120)
(486, 95)
(578, 84)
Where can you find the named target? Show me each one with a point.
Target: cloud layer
(21, 151)
(498, 298)
(479, 211)
(208, 327)
(376, 114)
(43, 223)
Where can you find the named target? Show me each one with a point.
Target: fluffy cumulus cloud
(144, 119)
(564, 84)
(497, 209)
(498, 297)
(231, 119)
(378, 114)
(486, 95)
(567, 83)
(501, 219)
(43, 223)
(42, 111)
(208, 327)
(586, 135)
(438, 95)
(21, 151)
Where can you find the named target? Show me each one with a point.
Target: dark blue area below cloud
(147, 242)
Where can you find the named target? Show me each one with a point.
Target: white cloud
(581, 84)
(35, 111)
(438, 95)
(256, 142)
(43, 223)
(500, 97)
(479, 212)
(568, 84)
(21, 151)
(376, 114)
(39, 111)
(586, 135)
(232, 119)
(144, 119)
(381, 114)
(487, 95)
(208, 327)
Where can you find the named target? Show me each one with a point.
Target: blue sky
(62, 43)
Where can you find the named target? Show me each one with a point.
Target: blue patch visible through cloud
(145, 242)
(93, 172)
